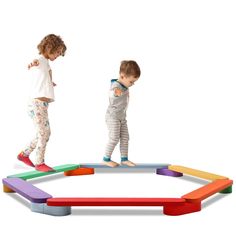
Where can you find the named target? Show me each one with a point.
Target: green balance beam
(35, 173)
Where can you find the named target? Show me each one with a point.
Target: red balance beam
(171, 206)
(114, 201)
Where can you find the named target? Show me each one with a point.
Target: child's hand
(34, 63)
(117, 92)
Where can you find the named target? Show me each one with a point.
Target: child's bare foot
(110, 163)
(127, 163)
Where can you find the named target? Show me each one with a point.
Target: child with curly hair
(42, 93)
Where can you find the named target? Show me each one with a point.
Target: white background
(182, 110)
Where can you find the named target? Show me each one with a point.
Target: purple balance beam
(26, 190)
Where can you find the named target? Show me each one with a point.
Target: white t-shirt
(41, 81)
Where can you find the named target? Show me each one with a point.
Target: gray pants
(118, 131)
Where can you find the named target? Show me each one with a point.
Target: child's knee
(44, 136)
(114, 141)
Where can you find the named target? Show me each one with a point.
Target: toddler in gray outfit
(116, 112)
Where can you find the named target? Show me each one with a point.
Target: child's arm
(34, 63)
(50, 73)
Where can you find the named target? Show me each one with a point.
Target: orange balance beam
(208, 190)
(79, 171)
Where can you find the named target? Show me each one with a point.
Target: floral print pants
(38, 111)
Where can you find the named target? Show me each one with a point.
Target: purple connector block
(167, 172)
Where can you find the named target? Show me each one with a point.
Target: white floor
(181, 111)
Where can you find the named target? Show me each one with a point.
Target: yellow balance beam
(196, 173)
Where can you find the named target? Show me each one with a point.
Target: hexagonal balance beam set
(45, 203)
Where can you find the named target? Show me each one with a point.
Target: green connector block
(227, 190)
(35, 174)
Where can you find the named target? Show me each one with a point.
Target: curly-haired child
(41, 95)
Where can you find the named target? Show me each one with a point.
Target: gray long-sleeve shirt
(117, 104)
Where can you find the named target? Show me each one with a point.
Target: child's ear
(122, 76)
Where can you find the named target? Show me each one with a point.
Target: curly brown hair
(130, 68)
(50, 44)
